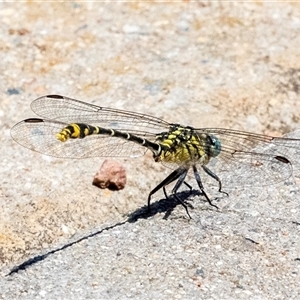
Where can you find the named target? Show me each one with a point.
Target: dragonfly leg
(213, 175)
(178, 184)
(189, 186)
(198, 179)
(173, 176)
(179, 174)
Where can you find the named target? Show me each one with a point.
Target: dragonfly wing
(61, 108)
(248, 159)
(251, 169)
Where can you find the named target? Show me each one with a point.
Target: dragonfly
(72, 129)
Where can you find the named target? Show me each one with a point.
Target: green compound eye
(69, 128)
(215, 147)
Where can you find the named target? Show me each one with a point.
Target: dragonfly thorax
(184, 145)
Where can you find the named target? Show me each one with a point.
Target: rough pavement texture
(232, 65)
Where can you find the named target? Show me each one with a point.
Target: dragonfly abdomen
(81, 130)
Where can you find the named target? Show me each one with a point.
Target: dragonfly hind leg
(179, 175)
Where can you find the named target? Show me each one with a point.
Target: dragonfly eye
(215, 145)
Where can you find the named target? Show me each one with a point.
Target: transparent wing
(39, 135)
(253, 159)
(61, 108)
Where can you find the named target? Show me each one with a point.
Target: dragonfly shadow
(164, 205)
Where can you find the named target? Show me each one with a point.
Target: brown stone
(111, 175)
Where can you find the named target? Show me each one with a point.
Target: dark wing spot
(34, 120)
(282, 159)
(55, 96)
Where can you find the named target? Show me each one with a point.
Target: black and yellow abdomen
(80, 131)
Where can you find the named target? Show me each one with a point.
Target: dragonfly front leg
(199, 182)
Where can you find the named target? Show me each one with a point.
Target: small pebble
(111, 175)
